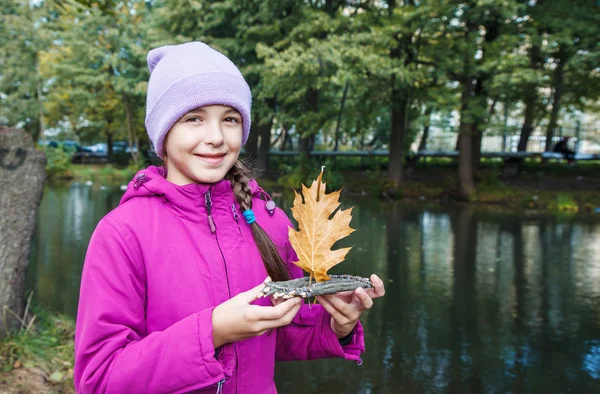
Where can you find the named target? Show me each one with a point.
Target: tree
(100, 72)
(23, 38)
(468, 50)
(572, 32)
(22, 174)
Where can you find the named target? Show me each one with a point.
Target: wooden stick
(303, 287)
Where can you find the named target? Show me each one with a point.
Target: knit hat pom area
(187, 76)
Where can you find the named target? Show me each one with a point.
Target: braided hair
(240, 175)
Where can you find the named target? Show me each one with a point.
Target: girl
(169, 288)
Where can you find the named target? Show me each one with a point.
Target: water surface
(476, 302)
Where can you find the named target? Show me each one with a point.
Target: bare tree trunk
(476, 137)
(251, 146)
(109, 136)
(109, 144)
(465, 160)
(40, 100)
(22, 175)
(558, 90)
(423, 142)
(265, 144)
(397, 136)
(339, 119)
(284, 138)
(131, 136)
(312, 105)
(530, 100)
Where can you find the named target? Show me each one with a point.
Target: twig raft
(301, 288)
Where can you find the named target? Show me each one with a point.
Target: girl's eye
(232, 119)
(193, 119)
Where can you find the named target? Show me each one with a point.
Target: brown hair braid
(240, 175)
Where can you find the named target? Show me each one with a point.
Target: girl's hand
(235, 319)
(345, 308)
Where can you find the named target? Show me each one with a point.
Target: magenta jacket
(153, 273)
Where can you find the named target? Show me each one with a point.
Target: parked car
(121, 146)
(118, 147)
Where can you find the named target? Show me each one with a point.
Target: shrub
(58, 161)
(564, 203)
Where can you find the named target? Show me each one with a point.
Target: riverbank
(553, 187)
(557, 189)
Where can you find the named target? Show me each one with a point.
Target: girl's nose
(214, 134)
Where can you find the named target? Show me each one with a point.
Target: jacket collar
(187, 201)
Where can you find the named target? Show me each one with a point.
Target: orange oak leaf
(317, 233)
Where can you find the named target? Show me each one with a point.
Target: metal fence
(446, 141)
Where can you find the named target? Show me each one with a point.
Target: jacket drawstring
(220, 386)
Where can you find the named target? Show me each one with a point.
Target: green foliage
(564, 203)
(107, 171)
(24, 35)
(106, 174)
(330, 70)
(58, 161)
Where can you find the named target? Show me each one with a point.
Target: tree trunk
(265, 144)
(284, 138)
(423, 142)
(251, 146)
(362, 135)
(558, 90)
(530, 101)
(131, 135)
(40, 101)
(465, 160)
(22, 175)
(339, 119)
(109, 144)
(476, 138)
(480, 121)
(397, 136)
(109, 136)
(312, 105)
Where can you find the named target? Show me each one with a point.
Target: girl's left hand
(345, 308)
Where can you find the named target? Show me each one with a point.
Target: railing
(446, 154)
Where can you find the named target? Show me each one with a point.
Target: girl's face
(203, 145)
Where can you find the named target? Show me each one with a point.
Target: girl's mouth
(211, 159)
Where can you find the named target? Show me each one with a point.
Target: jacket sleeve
(310, 336)
(113, 352)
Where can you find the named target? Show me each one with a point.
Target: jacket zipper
(236, 216)
(213, 229)
(208, 205)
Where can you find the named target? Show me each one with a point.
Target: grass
(46, 347)
(106, 173)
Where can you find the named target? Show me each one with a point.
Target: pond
(477, 302)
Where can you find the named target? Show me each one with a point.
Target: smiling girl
(169, 288)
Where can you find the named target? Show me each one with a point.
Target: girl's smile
(211, 158)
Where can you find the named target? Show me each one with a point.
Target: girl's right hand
(236, 319)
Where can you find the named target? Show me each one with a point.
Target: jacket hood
(188, 200)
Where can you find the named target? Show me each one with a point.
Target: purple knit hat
(185, 77)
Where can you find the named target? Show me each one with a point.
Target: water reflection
(476, 302)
